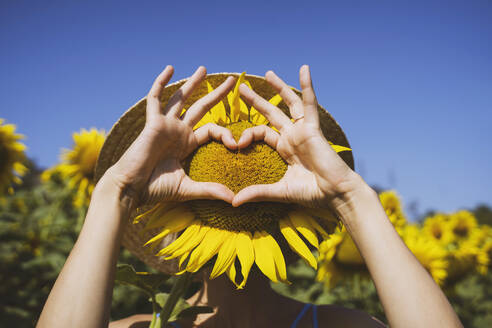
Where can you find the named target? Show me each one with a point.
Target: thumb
(190, 190)
(274, 192)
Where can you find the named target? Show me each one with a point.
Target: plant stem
(177, 291)
(154, 312)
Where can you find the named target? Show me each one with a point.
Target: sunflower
(462, 224)
(393, 208)
(430, 253)
(438, 227)
(77, 164)
(339, 260)
(249, 233)
(463, 259)
(484, 257)
(12, 158)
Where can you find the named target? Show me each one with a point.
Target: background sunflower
(78, 164)
(12, 158)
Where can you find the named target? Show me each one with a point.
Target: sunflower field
(42, 212)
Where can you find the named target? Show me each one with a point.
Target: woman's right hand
(151, 166)
(316, 176)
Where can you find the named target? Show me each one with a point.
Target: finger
(274, 192)
(176, 102)
(288, 95)
(211, 131)
(203, 105)
(258, 133)
(308, 96)
(154, 96)
(190, 189)
(271, 112)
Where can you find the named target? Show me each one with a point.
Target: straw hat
(131, 123)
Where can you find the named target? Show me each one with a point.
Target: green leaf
(181, 305)
(182, 309)
(148, 282)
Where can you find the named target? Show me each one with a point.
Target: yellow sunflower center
(257, 164)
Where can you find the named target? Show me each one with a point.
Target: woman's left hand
(151, 166)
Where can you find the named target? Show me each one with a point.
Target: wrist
(354, 193)
(110, 186)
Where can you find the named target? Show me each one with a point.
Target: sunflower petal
(263, 256)
(176, 216)
(304, 226)
(322, 213)
(182, 259)
(190, 244)
(235, 101)
(231, 273)
(192, 230)
(245, 253)
(173, 225)
(278, 258)
(206, 249)
(338, 148)
(218, 112)
(226, 257)
(160, 206)
(296, 243)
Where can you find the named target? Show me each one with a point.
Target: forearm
(409, 295)
(81, 296)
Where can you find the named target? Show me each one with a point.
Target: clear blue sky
(409, 81)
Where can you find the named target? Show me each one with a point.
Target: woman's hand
(316, 176)
(152, 164)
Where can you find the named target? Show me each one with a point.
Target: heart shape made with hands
(256, 164)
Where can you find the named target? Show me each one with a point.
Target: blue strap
(300, 315)
(315, 316)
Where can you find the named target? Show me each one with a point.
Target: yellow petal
(234, 100)
(275, 100)
(191, 231)
(190, 244)
(304, 226)
(296, 243)
(218, 112)
(182, 259)
(263, 256)
(207, 118)
(322, 213)
(226, 257)
(172, 225)
(174, 216)
(338, 148)
(164, 206)
(278, 258)
(206, 249)
(245, 253)
(231, 272)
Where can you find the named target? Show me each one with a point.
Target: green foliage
(182, 309)
(39, 226)
(147, 282)
(356, 293)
